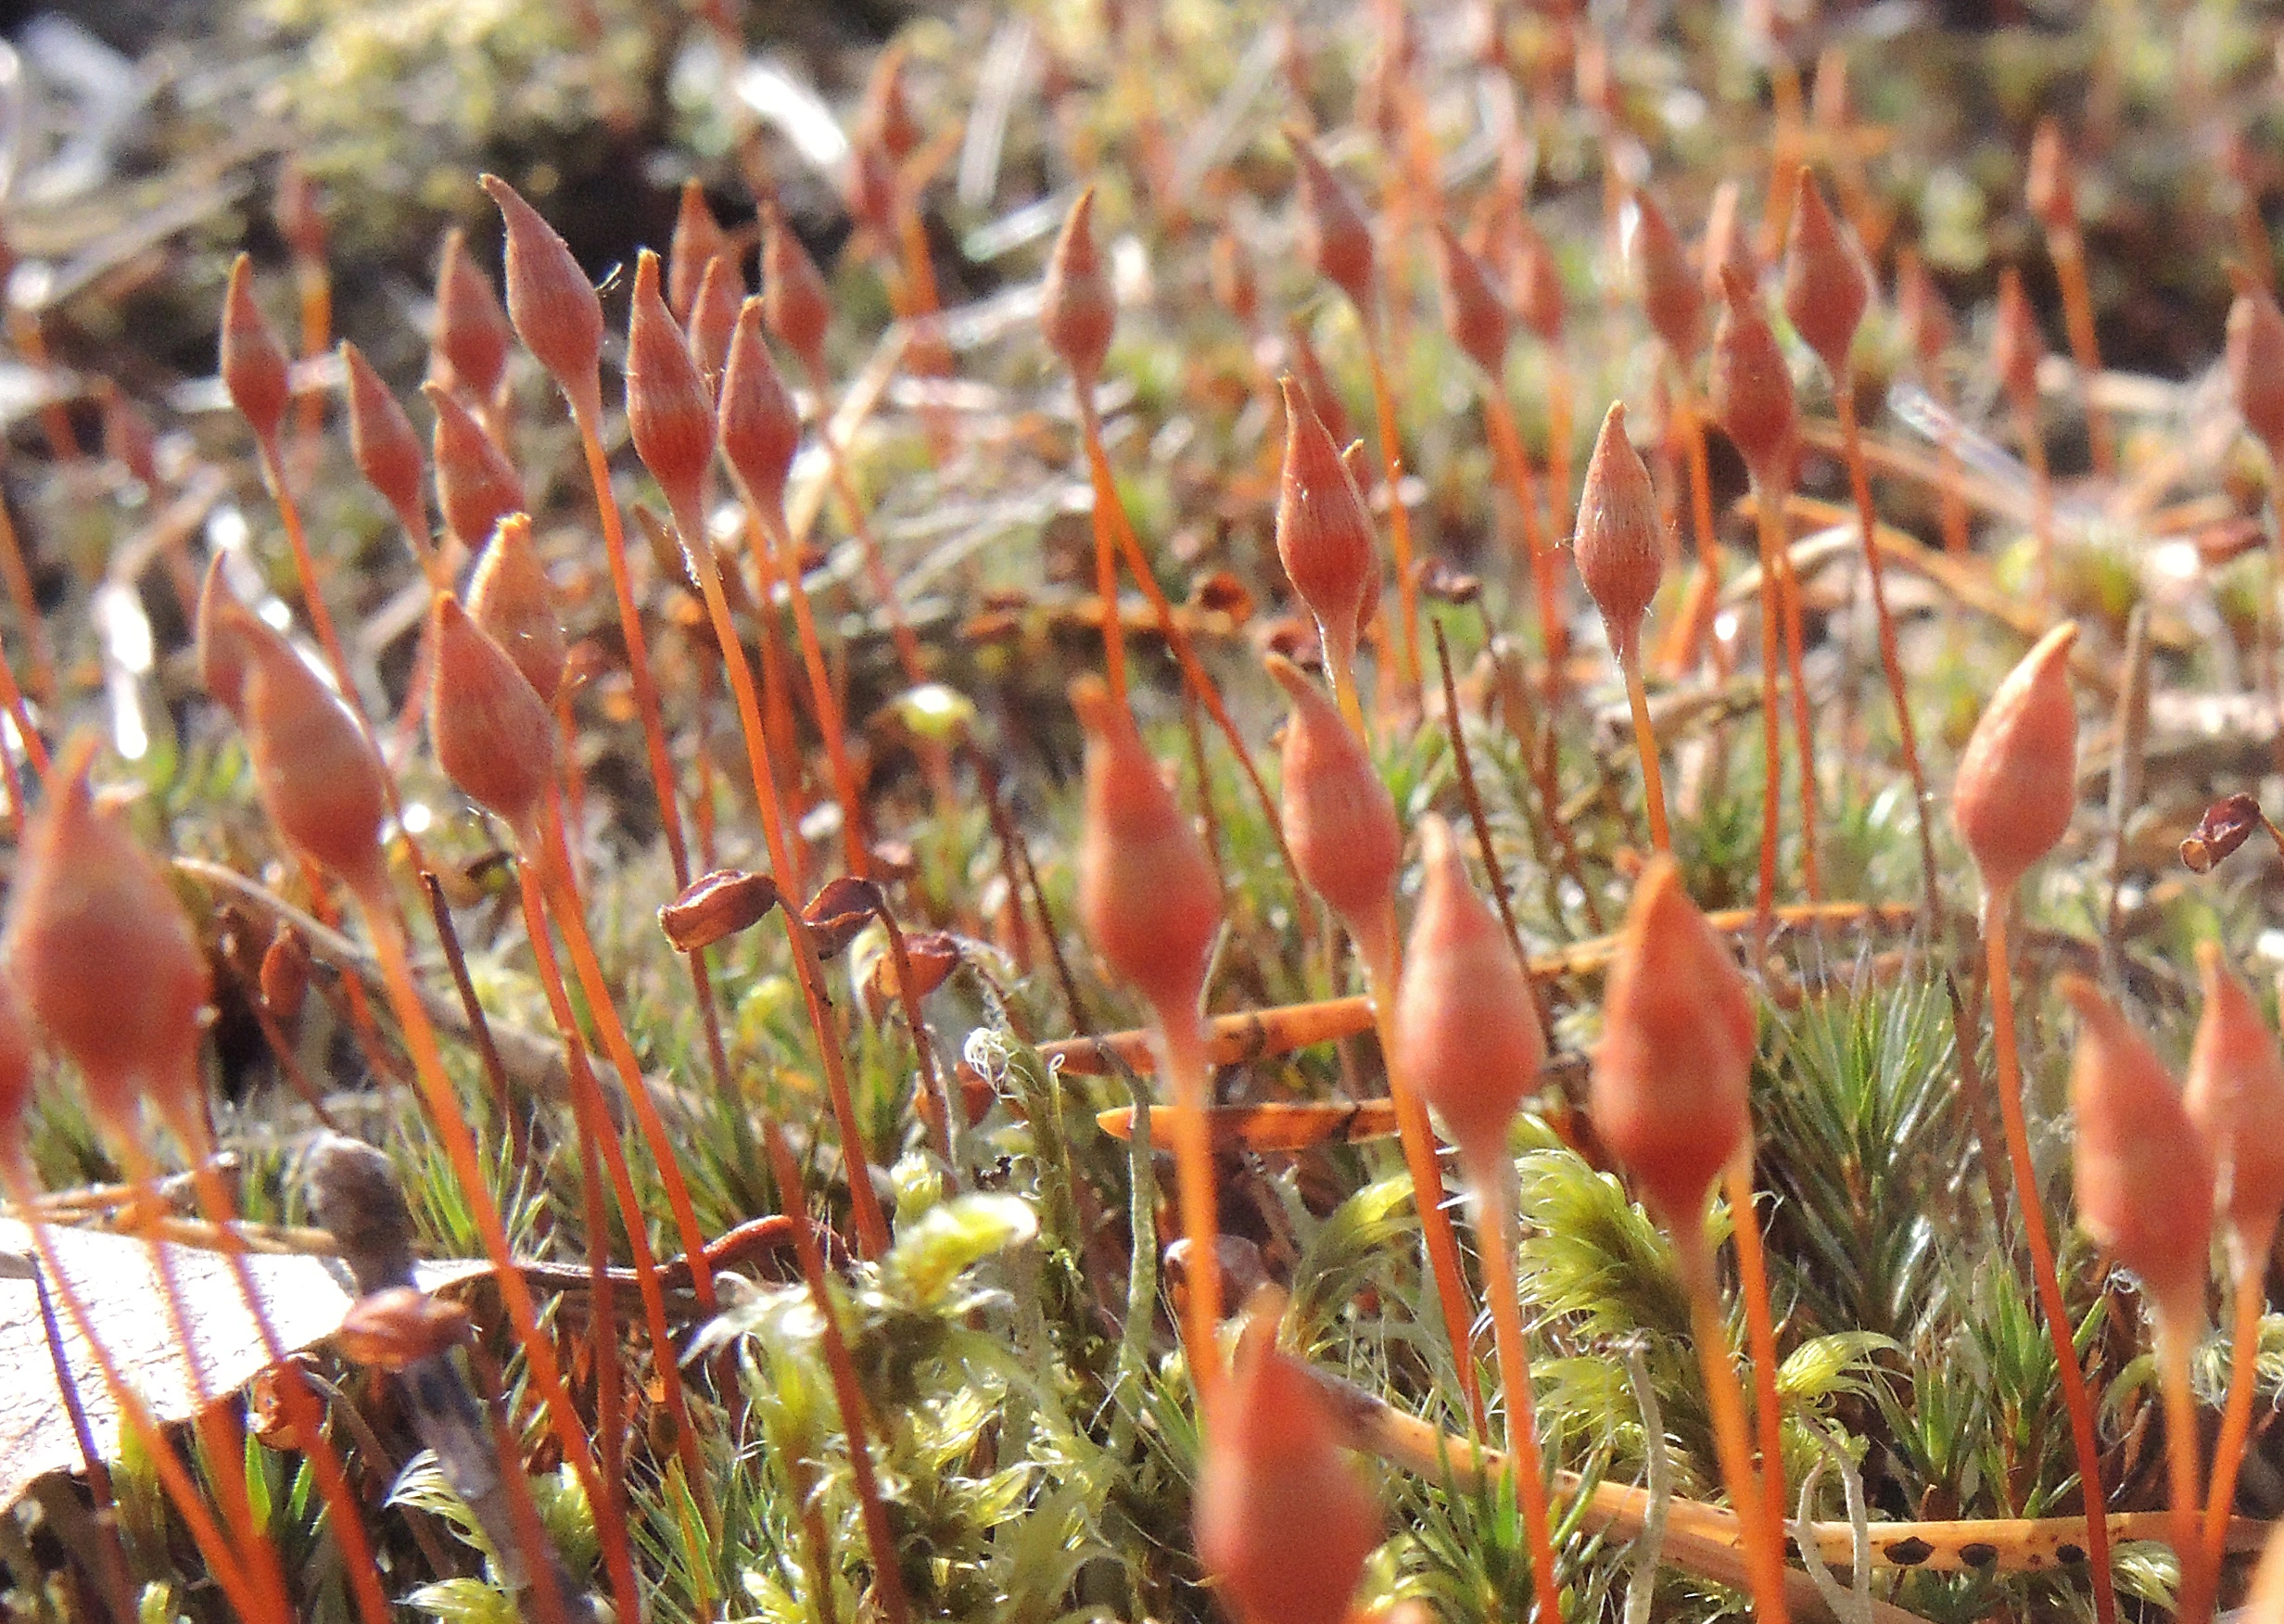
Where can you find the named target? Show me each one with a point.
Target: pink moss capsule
(2255, 360)
(1333, 234)
(798, 308)
(1826, 287)
(713, 316)
(1751, 389)
(2017, 778)
(1324, 400)
(760, 428)
(470, 355)
(1284, 1524)
(1671, 298)
(669, 414)
(128, 437)
(228, 634)
(1534, 282)
(492, 735)
(253, 363)
(384, 443)
(1727, 242)
(1619, 553)
(314, 769)
(1077, 312)
(697, 242)
(2017, 347)
(511, 598)
(1148, 899)
(477, 486)
(551, 303)
(101, 953)
(1478, 323)
(2144, 1175)
(1236, 287)
(2049, 185)
(886, 118)
(1920, 311)
(1466, 1026)
(2235, 1095)
(1669, 1078)
(1338, 818)
(1324, 535)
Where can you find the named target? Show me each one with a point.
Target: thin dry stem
(1891, 658)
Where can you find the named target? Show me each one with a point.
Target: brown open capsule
(717, 905)
(398, 1327)
(2017, 780)
(552, 304)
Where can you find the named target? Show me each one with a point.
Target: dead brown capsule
(399, 1327)
(840, 911)
(715, 906)
(2226, 824)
